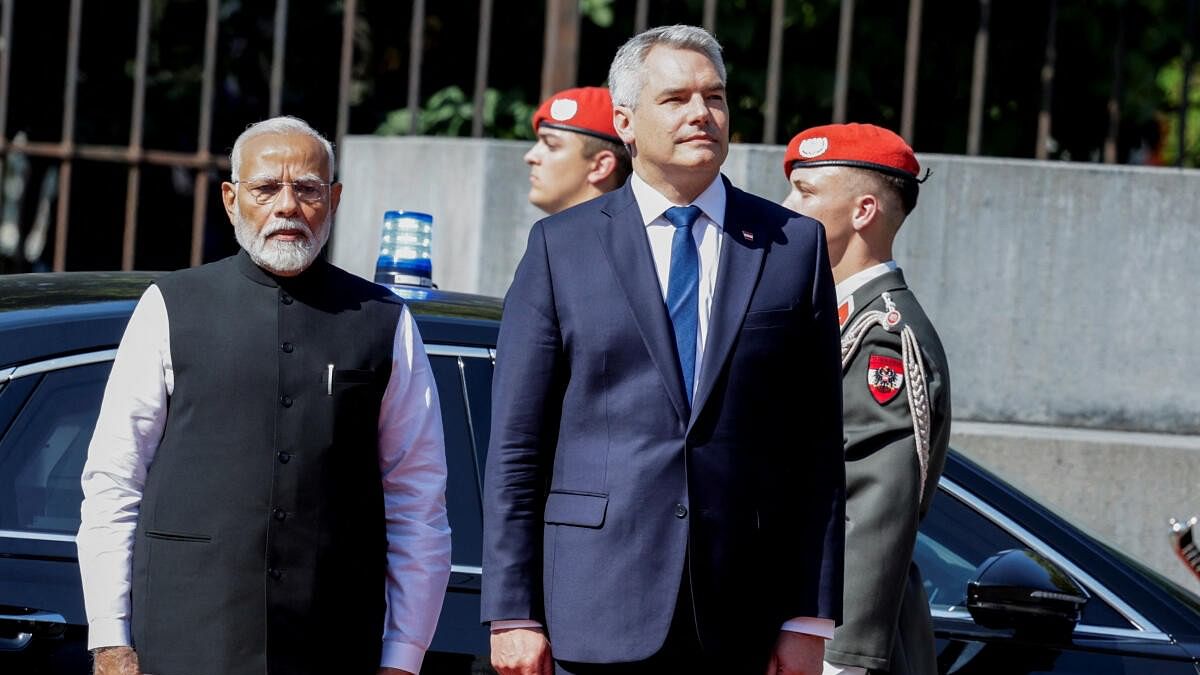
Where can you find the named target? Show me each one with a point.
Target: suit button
(274, 573)
(284, 457)
(279, 514)
(680, 511)
(286, 347)
(285, 401)
(285, 298)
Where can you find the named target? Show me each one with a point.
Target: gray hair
(625, 75)
(282, 125)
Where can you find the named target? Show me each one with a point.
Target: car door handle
(28, 625)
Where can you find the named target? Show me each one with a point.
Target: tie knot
(683, 216)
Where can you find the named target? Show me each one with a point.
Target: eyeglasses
(267, 191)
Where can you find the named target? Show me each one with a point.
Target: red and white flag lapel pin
(748, 235)
(885, 377)
(844, 311)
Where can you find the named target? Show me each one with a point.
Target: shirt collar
(653, 204)
(855, 281)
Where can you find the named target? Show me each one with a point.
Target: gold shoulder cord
(914, 372)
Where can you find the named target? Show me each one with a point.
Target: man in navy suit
(665, 483)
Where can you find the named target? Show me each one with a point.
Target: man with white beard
(265, 488)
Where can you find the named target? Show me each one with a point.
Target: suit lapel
(737, 275)
(623, 237)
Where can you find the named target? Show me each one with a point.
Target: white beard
(280, 257)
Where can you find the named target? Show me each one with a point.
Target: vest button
(285, 401)
(286, 347)
(284, 457)
(285, 298)
(680, 511)
(274, 573)
(279, 514)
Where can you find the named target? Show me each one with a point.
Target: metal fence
(560, 62)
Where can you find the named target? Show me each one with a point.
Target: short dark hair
(905, 189)
(593, 145)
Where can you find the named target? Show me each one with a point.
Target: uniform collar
(846, 287)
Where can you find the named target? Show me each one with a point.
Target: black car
(1014, 588)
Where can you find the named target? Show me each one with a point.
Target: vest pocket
(178, 536)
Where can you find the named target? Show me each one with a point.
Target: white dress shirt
(412, 462)
(707, 233)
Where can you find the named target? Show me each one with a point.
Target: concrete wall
(1067, 297)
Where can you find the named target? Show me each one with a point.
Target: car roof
(49, 314)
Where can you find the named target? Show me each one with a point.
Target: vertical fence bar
(841, 79)
(1045, 115)
(68, 136)
(560, 46)
(912, 57)
(1116, 92)
(482, 54)
(6, 11)
(5, 65)
(416, 47)
(641, 16)
(774, 57)
(344, 73)
(1189, 42)
(710, 16)
(278, 45)
(138, 108)
(204, 137)
(978, 77)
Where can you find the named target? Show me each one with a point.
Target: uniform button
(286, 347)
(680, 511)
(285, 298)
(285, 457)
(274, 573)
(285, 401)
(279, 514)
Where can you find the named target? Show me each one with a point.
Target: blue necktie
(683, 290)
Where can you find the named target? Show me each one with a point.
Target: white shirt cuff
(834, 669)
(509, 624)
(108, 633)
(402, 655)
(822, 628)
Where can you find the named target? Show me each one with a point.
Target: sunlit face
(824, 193)
(681, 122)
(285, 233)
(558, 171)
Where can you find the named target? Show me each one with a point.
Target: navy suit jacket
(601, 480)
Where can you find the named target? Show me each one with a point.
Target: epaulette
(914, 371)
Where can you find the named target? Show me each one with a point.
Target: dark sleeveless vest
(260, 545)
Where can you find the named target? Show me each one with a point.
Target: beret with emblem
(864, 146)
(584, 110)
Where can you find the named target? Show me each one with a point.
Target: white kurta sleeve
(412, 460)
(127, 435)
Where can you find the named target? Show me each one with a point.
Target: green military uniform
(893, 364)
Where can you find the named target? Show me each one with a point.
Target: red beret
(586, 110)
(865, 146)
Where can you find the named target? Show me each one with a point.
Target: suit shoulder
(772, 212)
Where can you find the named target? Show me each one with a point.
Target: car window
(43, 451)
(955, 539)
(477, 373)
(462, 486)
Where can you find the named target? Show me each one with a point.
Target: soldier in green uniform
(861, 182)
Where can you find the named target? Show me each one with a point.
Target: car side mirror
(1021, 590)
